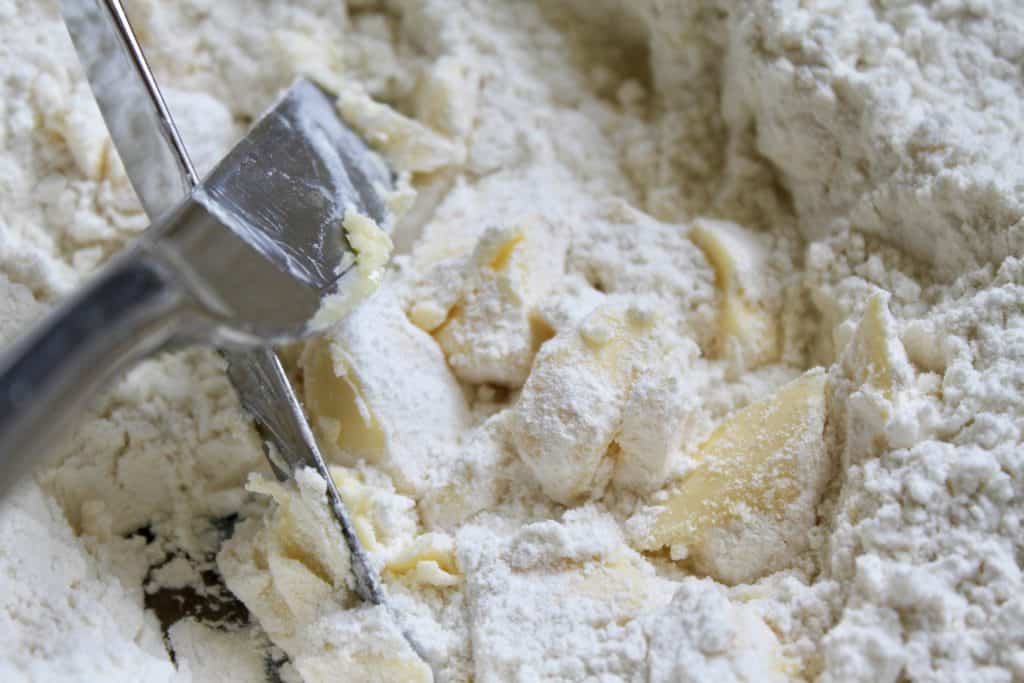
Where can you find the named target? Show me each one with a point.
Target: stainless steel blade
(285, 187)
(161, 172)
(136, 115)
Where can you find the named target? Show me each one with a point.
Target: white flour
(526, 408)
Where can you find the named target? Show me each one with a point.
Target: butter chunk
(372, 247)
(875, 356)
(435, 292)
(748, 333)
(745, 509)
(363, 644)
(663, 413)
(474, 482)
(490, 333)
(428, 559)
(869, 387)
(408, 144)
(287, 566)
(446, 96)
(555, 594)
(206, 653)
(291, 569)
(383, 519)
(312, 53)
(703, 636)
(385, 523)
(571, 407)
(82, 129)
(378, 389)
(340, 412)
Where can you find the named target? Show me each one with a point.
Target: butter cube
(287, 566)
(408, 144)
(575, 584)
(362, 644)
(875, 356)
(746, 508)
(662, 414)
(429, 559)
(490, 334)
(868, 385)
(378, 389)
(338, 405)
(571, 407)
(446, 96)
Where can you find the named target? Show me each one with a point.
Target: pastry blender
(240, 259)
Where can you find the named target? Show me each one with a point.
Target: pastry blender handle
(130, 309)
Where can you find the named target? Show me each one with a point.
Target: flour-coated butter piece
(378, 389)
(362, 644)
(872, 387)
(571, 407)
(555, 594)
(748, 332)
(289, 564)
(474, 482)
(384, 520)
(702, 635)
(428, 559)
(446, 96)
(291, 569)
(205, 653)
(875, 356)
(662, 415)
(406, 143)
(491, 331)
(746, 507)
(371, 249)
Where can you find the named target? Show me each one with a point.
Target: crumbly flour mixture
(702, 357)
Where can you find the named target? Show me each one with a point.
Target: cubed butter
(363, 644)
(747, 506)
(869, 385)
(336, 400)
(875, 355)
(408, 144)
(572, 405)
(378, 389)
(490, 333)
(429, 558)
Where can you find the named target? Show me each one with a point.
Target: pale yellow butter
(372, 247)
(747, 506)
(747, 333)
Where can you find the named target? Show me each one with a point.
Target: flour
(912, 95)
(203, 653)
(903, 554)
(629, 226)
(65, 614)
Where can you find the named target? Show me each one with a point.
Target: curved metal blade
(285, 187)
(136, 115)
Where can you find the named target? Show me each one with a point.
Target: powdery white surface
(65, 616)
(571, 601)
(558, 601)
(870, 149)
(203, 653)
(702, 636)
